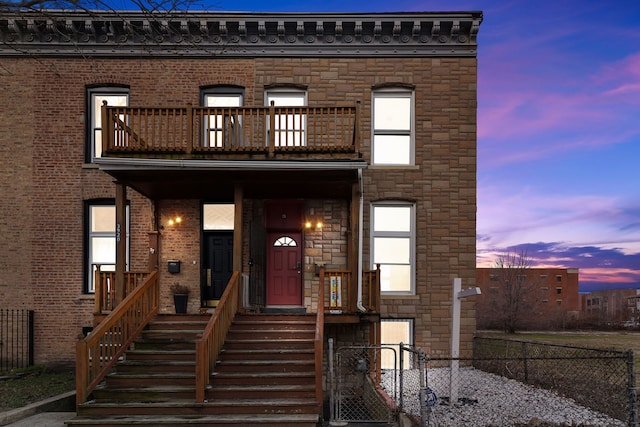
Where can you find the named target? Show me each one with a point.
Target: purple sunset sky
(558, 128)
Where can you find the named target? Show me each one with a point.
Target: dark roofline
(237, 34)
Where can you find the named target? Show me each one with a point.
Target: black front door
(217, 265)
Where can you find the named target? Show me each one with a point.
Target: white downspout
(360, 220)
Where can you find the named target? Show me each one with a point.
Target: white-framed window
(113, 96)
(223, 129)
(393, 246)
(101, 239)
(290, 128)
(393, 120)
(394, 332)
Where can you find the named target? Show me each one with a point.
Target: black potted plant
(180, 297)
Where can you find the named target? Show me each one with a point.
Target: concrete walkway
(52, 412)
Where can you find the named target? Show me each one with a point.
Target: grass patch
(23, 386)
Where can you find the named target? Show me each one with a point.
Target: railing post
(107, 129)
(97, 288)
(422, 369)
(272, 129)
(525, 362)
(633, 395)
(356, 131)
(82, 372)
(401, 378)
(190, 126)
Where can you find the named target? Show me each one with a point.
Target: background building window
(101, 239)
(393, 246)
(290, 127)
(115, 97)
(393, 119)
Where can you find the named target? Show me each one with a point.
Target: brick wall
(44, 180)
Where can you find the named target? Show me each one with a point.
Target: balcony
(238, 133)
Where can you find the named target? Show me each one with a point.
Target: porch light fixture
(174, 221)
(309, 225)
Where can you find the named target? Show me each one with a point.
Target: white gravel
(491, 400)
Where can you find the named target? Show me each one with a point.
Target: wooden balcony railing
(195, 131)
(340, 291)
(105, 287)
(208, 346)
(98, 352)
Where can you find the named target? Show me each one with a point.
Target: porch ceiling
(213, 180)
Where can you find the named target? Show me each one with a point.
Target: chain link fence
(516, 383)
(354, 376)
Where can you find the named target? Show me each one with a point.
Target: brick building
(611, 307)
(549, 296)
(300, 151)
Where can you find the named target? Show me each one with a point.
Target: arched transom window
(284, 241)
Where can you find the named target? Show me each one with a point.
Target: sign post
(454, 378)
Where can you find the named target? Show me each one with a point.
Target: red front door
(284, 269)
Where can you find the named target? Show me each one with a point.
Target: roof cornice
(121, 34)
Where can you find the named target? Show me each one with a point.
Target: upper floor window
(290, 127)
(96, 97)
(221, 128)
(393, 123)
(393, 246)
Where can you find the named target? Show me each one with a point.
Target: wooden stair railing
(104, 284)
(101, 349)
(342, 293)
(208, 346)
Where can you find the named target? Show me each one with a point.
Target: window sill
(391, 167)
(89, 166)
(399, 296)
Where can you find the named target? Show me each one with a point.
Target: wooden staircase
(264, 376)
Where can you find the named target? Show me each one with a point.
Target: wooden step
(144, 394)
(267, 354)
(161, 355)
(262, 420)
(263, 378)
(149, 379)
(141, 366)
(264, 365)
(257, 324)
(188, 407)
(284, 344)
(165, 344)
(270, 334)
(260, 391)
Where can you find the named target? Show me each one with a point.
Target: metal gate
(354, 373)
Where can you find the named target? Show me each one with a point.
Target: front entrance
(284, 269)
(217, 265)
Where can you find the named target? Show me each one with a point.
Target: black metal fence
(16, 339)
(517, 383)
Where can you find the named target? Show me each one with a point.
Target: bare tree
(512, 295)
(104, 5)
